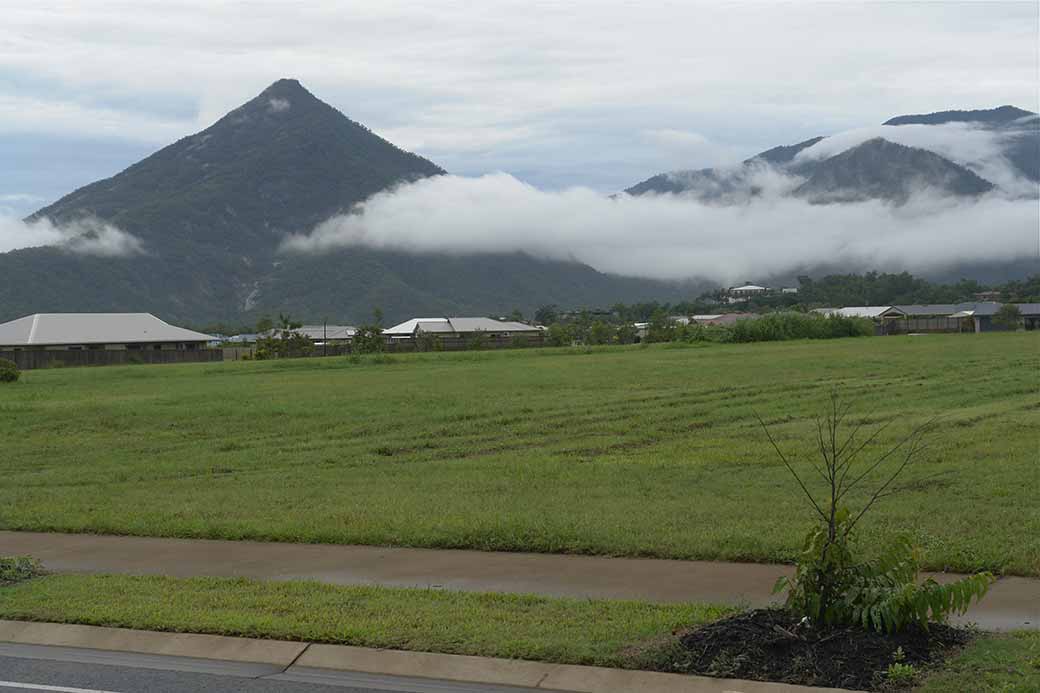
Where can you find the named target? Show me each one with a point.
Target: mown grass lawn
(572, 631)
(621, 634)
(992, 664)
(629, 451)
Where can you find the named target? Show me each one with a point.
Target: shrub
(559, 335)
(17, 568)
(1008, 317)
(478, 339)
(781, 326)
(833, 583)
(368, 340)
(901, 675)
(9, 372)
(600, 333)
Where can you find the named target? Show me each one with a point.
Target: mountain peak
(881, 169)
(286, 88)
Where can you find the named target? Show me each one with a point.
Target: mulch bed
(773, 645)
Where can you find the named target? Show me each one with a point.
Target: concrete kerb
(464, 669)
(277, 652)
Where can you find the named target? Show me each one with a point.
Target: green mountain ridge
(213, 208)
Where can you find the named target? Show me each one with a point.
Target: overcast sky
(601, 94)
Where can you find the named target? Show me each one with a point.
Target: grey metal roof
(317, 331)
(457, 326)
(52, 329)
(942, 309)
(862, 311)
(1029, 308)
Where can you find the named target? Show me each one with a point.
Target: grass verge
(622, 634)
(992, 664)
(571, 631)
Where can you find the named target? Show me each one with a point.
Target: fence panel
(29, 360)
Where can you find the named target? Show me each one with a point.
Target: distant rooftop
(319, 331)
(51, 329)
(457, 325)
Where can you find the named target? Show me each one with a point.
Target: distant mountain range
(212, 210)
(876, 168)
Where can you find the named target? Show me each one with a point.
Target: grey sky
(601, 94)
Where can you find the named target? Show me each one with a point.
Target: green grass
(628, 451)
(573, 631)
(621, 634)
(993, 664)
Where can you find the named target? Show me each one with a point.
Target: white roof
(93, 328)
(317, 331)
(748, 287)
(862, 311)
(705, 317)
(458, 325)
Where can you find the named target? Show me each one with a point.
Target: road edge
(290, 655)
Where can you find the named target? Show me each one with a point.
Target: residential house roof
(948, 309)
(723, 318)
(458, 326)
(318, 331)
(862, 311)
(52, 329)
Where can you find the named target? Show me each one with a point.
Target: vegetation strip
(589, 632)
(614, 450)
(567, 631)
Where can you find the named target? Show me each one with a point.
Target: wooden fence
(28, 360)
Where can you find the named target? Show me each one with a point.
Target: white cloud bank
(976, 147)
(671, 237)
(85, 237)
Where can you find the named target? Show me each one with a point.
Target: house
(97, 332)
(1030, 315)
(736, 294)
(319, 334)
(727, 319)
(871, 312)
(461, 328)
(964, 317)
(887, 319)
(937, 317)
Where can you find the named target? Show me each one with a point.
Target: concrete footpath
(1013, 602)
(304, 662)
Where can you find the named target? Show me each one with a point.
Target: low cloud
(84, 237)
(675, 237)
(278, 105)
(978, 148)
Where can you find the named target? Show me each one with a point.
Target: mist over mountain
(287, 205)
(879, 169)
(207, 215)
(958, 153)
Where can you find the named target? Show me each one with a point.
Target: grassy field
(570, 631)
(629, 451)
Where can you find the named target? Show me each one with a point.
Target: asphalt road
(27, 668)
